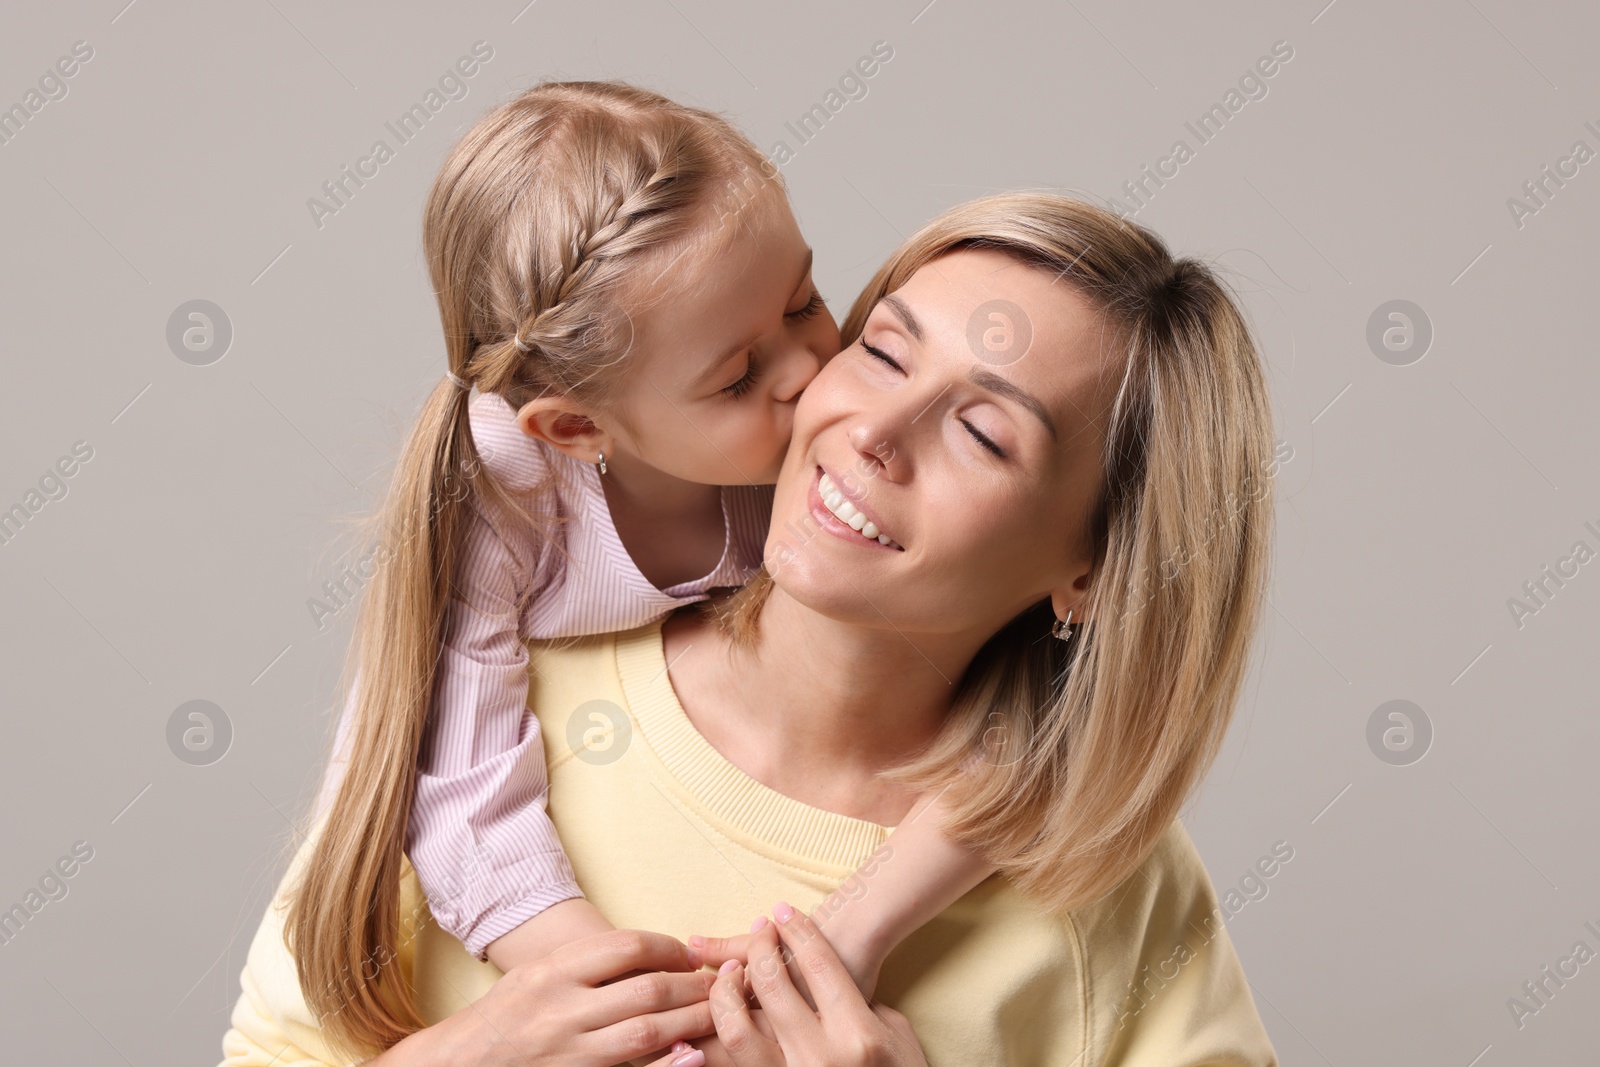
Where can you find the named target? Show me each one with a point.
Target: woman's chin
(832, 587)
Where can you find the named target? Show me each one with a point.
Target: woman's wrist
(421, 1049)
(454, 1041)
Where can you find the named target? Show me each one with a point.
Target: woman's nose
(894, 427)
(877, 449)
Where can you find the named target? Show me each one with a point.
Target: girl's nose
(798, 365)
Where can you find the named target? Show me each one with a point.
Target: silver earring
(1061, 628)
(602, 463)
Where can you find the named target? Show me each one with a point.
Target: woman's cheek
(816, 403)
(993, 532)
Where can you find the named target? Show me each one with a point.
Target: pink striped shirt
(479, 835)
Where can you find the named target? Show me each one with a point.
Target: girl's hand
(843, 1031)
(603, 999)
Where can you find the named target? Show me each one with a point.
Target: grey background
(1418, 500)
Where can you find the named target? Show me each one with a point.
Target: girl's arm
(479, 836)
(536, 938)
(913, 876)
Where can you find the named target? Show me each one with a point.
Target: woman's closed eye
(882, 356)
(984, 441)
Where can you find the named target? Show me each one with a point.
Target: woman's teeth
(846, 512)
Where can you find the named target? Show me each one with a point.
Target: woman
(1052, 420)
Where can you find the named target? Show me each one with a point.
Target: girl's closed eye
(814, 305)
(752, 373)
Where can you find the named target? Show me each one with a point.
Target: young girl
(621, 280)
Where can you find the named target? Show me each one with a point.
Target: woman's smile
(840, 513)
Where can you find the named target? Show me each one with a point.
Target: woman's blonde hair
(1089, 749)
(554, 217)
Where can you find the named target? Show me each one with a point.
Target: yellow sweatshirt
(665, 834)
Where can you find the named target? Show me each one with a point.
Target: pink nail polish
(761, 920)
(727, 966)
(783, 912)
(693, 1058)
(680, 1047)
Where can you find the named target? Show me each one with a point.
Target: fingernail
(761, 920)
(696, 941)
(693, 1058)
(783, 912)
(727, 966)
(680, 1047)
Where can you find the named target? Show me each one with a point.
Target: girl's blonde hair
(557, 214)
(1089, 749)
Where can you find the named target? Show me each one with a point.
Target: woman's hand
(583, 1005)
(863, 963)
(844, 1031)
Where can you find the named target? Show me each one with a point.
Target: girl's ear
(563, 424)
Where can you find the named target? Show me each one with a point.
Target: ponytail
(344, 921)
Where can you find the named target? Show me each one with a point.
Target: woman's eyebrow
(903, 310)
(991, 381)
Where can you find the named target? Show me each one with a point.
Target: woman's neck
(816, 707)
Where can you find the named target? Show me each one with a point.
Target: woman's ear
(566, 425)
(1072, 597)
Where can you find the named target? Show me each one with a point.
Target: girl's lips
(831, 522)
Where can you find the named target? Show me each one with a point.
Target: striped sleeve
(480, 836)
